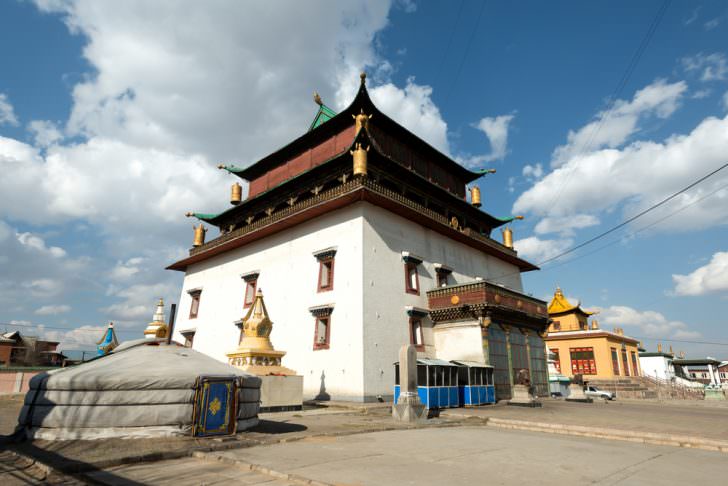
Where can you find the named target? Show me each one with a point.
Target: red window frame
(195, 305)
(615, 361)
(415, 333)
(327, 339)
(557, 360)
(329, 284)
(635, 369)
(408, 267)
(582, 364)
(625, 362)
(251, 285)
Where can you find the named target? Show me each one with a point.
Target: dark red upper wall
(412, 157)
(304, 161)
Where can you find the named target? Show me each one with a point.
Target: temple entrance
(498, 351)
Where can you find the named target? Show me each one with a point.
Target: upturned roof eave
(361, 100)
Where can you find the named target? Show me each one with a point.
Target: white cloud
(139, 301)
(710, 278)
(710, 67)
(537, 250)
(712, 23)
(37, 243)
(45, 133)
(7, 114)
(650, 324)
(51, 310)
(533, 171)
(496, 129)
(639, 175)
(412, 107)
(43, 287)
(127, 269)
(83, 337)
(611, 128)
(565, 225)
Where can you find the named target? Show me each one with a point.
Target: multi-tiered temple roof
(314, 175)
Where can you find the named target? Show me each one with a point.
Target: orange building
(582, 347)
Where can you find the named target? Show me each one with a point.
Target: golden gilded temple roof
(560, 305)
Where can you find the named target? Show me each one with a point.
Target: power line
(55, 328)
(449, 42)
(679, 341)
(467, 50)
(633, 218)
(617, 92)
(644, 228)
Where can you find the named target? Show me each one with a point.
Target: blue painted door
(214, 409)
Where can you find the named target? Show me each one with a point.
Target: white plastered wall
(386, 323)
(288, 280)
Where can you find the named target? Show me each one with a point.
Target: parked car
(593, 392)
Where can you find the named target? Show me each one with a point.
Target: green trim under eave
(323, 115)
(206, 217)
(231, 168)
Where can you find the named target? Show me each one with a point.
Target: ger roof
(327, 121)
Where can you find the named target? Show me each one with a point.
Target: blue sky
(113, 116)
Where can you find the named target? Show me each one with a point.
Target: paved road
(692, 418)
(453, 456)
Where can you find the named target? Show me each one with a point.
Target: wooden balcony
(485, 299)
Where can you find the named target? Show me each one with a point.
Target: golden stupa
(255, 353)
(157, 328)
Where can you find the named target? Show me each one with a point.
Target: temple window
(189, 336)
(557, 325)
(326, 269)
(557, 360)
(411, 277)
(615, 362)
(582, 361)
(322, 328)
(195, 304)
(443, 273)
(251, 284)
(416, 337)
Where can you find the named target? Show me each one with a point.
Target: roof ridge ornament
(317, 98)
(363, 77)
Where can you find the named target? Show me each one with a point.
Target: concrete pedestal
(409, 409)
(281, 393)
(714, 394)
(576, 394)
(522, 398)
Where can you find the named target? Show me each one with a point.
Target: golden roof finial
(189, 214)
(363, 77)
(317, 98)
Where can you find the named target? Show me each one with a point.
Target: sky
(113, 116)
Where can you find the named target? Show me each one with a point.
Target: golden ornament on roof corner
(317, 98)
(236, 194)
(199, 238)
(361, 120)
(360, 159)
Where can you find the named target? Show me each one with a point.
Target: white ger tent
(142, 389)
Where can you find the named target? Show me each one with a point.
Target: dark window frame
(327, 340)
(329, 285)
(413, 341)
(195, 304)
(250, 284)
(407, 281)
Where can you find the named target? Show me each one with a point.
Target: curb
(612, 434)
(245, 466)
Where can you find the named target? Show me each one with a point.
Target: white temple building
(362, 238)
